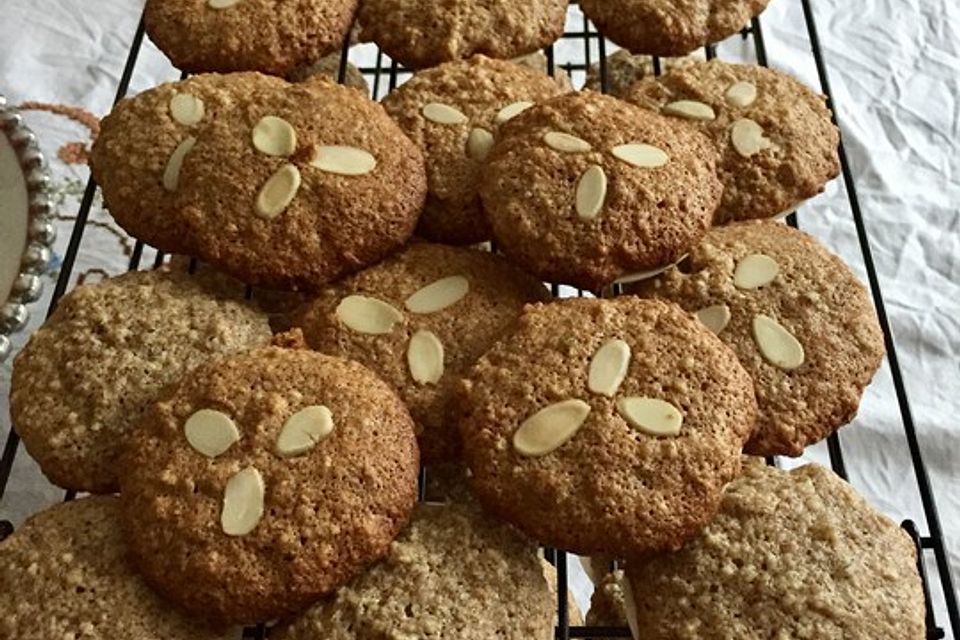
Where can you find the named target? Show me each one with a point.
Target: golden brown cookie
(247, 35)
(606, 426)
(301, 187)
(420, 320)
(424, 33)
(131, 158)
(453, 573)
(625, 69)
(585, 189)
(776, 141)
(452, 112)
(83, 380)
(791, 555)
(670, 27)
(288, 186)
(264, 481)
(65, 574)
(798, 319)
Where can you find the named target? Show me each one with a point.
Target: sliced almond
(171, 173)
(550, 427)
(565, 143)
(210, 432)
(747, 137)
(512, 111)
(591, 192)
(274, 136)
(690, 109)
(652, 416)
(438, 295)
(278, 191)
(741, 94)
(645, 156)
(242, 502)
(609, 367)
(221, 4)
(443, 113)
(630, 606)
(479, 144)
(776, 344)
(186, 108)
(715, 317)
(367, 315)
(755, 271)
(425, 357)
(344, 160)
(303, 430)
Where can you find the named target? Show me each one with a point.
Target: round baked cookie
(285, 186)
(669, 27)
(452, 112)
(264, 481)
(798, 319)
(790, 555)
(606, 426)
(65, 574)
(247, 35)
(585, 189)
(420, 319)
(83, 380)
(425, 33)
(453, 573)
(130, 157)
(775, 137)
(300, 187)
(625, 69)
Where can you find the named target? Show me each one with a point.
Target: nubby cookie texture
(585, 189)
(453, 113)
(420, 319)
(103, 357)
(65, 574)
(314, 171)
(453, 573)
(799, 320)
(670, 27)
(606, 426)
(278, 484)
(264, 481)
(425, 33)
(775, 138)
(247, 35)
(791, 555)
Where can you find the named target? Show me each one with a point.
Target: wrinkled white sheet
(894, 66)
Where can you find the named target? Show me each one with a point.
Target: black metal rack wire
(385, 71)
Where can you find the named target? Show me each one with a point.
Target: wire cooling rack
(383, 77)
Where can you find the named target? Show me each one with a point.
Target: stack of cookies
(265, 404)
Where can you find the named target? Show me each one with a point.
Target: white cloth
(894, 67)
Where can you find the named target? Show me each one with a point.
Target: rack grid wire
(389, 72)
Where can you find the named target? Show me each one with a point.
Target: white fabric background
(894, 66)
